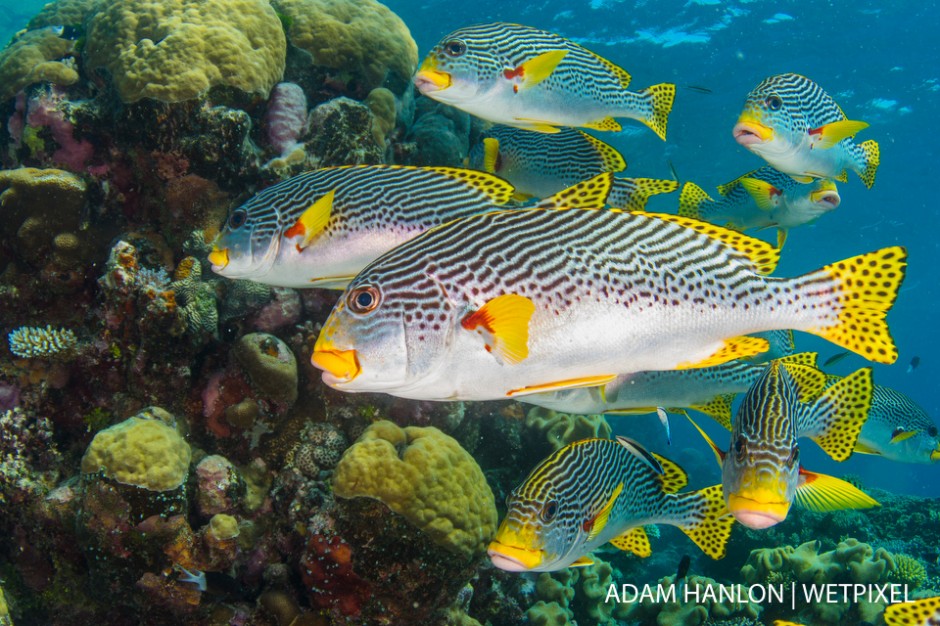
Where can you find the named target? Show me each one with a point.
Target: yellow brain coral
(175, 50)
(361, 38)
(34, 57)
(425, 476)
(144, 451)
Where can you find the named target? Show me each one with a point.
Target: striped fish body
(898, 429)
(541, 164)
(529, 78)
(764, 198)
(761, 472)
(595, 491)
(364, 211)
(790, 122)
(517, 302)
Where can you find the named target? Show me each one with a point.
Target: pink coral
(286, 117)
(46, 109)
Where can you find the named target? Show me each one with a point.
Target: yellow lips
(749, 126)
(428, 77)
(512, 558)
(219, 258)
(342, 364)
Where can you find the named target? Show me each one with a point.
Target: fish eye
(794, 456)
(773, 102)
(932, 431)
(549, 511)
(740, 448)
(455, 48)
(238, 218)
(362, 300)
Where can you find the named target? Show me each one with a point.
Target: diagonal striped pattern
(805, 104)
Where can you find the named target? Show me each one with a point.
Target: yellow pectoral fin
(539, 68)
(569, 383)
(731, 349)
(537, 126)
(490, 154)
(312, 222)
(781, 238)
(635, 541)
(864, 448)
(583, 561)
(607, 124)
(504, 324)
(831, 134)
(600, 520)
(820, 493)
(588, 194)
(898, 437)
(761, 191)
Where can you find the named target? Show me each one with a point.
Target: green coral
(703, 604)
(361, 38)
(573, 595)
(176, 50)
(36, 56)
(907, 570)
(425, 476)
(144, 451)
(560, 429)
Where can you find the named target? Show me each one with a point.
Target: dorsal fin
(762, 255)
(588, 194)
(728, 187)
(622, 75)
(493, 187)
(673, 477)
(611, 159)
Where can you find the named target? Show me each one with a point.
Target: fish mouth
(935, 454)
(751, 132)
(756, 514)
(339, 366)
(513, 559)
(828, 199)
(218, 258)
(429, 81)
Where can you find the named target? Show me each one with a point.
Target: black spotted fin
(835, 419)
(923, 612)
(821, 493)
(871, 158)
(312, 221)
(691, 199)
(607, 124)
(611, 159)
(635, 541)
(497, 190)
(730, 349)
(632, 194)
(503, 322)
(718, 408)
(588, 194)
(705, 519)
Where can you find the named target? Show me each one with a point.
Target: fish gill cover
(170, 454)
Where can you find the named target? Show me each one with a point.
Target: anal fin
(635, 541)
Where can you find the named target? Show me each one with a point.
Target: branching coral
(32, 342)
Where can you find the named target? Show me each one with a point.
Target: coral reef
(702, 603)
(425, 476)
(560, 429)
(177, 50)
(36, 56)
(30, 342)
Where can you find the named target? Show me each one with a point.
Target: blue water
(878, 60)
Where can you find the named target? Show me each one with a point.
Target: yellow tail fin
(662, 97)
(708, 523)
(872, 157)
(862, 290)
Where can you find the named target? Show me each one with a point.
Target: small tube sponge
(425, 476)
(143, 451)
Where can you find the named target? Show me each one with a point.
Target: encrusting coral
(36, 56)
(425, 476)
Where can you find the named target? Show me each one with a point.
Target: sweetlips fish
(762, 474)
(533, 79)
(897, 428)
(764, 198)
(599, 490)
(923, 612)
(318, 229)
(511, 303)
(790, 122)
(709, 390)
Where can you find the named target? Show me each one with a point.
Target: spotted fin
(622, 75)
(491, 155)
(809, 380)
(871, 157)
(607, 124)
(762, 192)
(831, 134)
(718, 408)
(312, 221)
(704, 517)
(635, 541)
(493, 187)
(691, 199)
(503, 322)
(588, 194)
(820, 493)
(595, 525)
(611, 159)
(731, 349)
(923, 612)
(558, 385)
(809, 359)
(727, 188)
(632, 194)
(762, 255)
(864, 289)
(536, 69)
(835, 420)
(661, 98)
(673, 477)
